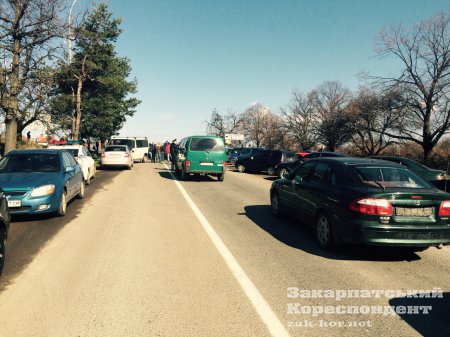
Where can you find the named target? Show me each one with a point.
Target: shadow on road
(432, 324)
(192, 178)
(300, 236)
(29, 234)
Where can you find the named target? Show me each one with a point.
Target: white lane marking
(276, 328)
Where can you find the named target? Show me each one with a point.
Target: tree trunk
(77, 118)
(13, 108)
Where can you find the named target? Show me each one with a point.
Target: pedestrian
(173, 154)
(167, 151)
(158, 153)
(28, 136)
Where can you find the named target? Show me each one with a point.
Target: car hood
(26, 180)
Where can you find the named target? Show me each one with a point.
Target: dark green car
(201, 155)
(436, 177)
(368, 201)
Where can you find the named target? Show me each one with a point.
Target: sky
(192, 56)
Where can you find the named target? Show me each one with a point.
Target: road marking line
(270, 319)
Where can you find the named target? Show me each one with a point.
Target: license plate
(414, 212)
(14, 203)
(207, 164)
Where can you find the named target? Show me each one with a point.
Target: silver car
(117, 156)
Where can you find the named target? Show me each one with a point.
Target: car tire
(221, 177)
(62, 205)
(2, 249)
(241, 168)
(82, 192)
(184, 175)
(275, 204)
(284, 173)
(271, 171)
(324, 231)
(88, 179)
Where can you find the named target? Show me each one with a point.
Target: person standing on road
(173, 153)
(167, 151)
(158, 153)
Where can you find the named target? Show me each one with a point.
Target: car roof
(33, 151)
(64, 147)
(354, 161)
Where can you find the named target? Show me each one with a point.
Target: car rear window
(42, 162)
(115, 148)
(207, 144)
(290, 156)
(128, 142)
(386, 177)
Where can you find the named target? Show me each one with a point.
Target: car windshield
(388, 177)
(128, 142)
(30, 162)
(115, 148)
(207, 144)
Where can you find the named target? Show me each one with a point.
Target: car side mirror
(70, 169)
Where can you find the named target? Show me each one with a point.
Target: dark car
(4, 227)
(283, 170)
(436, 177)
(368, 201)
(244, 152)
(264, 161)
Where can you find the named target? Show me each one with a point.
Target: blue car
(40, 181)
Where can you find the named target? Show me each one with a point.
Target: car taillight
(441, 177)
(187, 165)
(103, 154)
(126, 155)
(444, 209)
(224, 164)
(372, 206)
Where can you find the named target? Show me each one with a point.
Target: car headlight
(43, 190)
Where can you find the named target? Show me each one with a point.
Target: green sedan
(368, 201)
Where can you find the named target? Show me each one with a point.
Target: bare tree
(424, 52)
(28, 29)
(254, 123)
(375, 114)
(219, 125)
(334, 121)
(298, 119)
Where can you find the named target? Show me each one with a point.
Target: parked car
(233, 153)
(116, 156)
(437, 177)
(4, 227)
(40, 181)
(366, 201)
(283, 170)
(83, 157)
(203, 155)
(246, 152)
(137, 145)
(264, 161)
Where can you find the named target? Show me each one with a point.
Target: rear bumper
(418, 235)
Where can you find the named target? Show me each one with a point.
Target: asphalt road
(137, 257)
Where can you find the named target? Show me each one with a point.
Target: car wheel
(221, 177)
(2, 249)
(184, 175)
(284, 173)
(88, 180)
(240, 168)
(271, 171)
(324, 233)
(275, 204)
(62, 205)
(80, 194)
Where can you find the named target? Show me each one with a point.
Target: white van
(138, 146)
